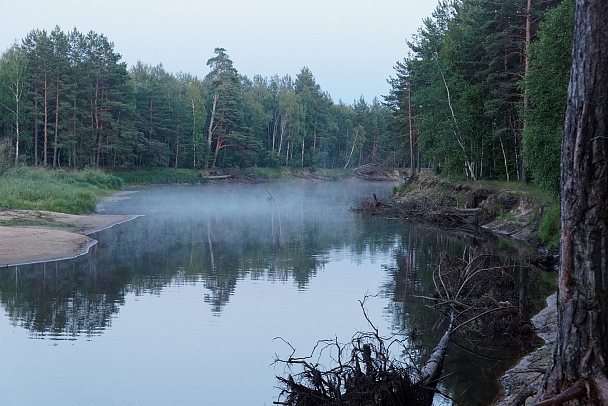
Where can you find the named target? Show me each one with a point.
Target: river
(191, 303)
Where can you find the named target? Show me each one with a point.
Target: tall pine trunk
(526, 101)
(177, 147)
(56, 124)
(36, 125)
(578, 369)
(46, 119)
(410, 124)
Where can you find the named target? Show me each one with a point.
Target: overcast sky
(350, 46)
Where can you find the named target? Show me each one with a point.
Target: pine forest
(481, 94)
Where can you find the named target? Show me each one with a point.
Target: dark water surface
(182, 305)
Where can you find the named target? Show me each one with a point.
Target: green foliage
(550, 226)
(4, 157)
(263, 173)
(454, 105)
(74, 192)
(547, 86)
(457, 97)
(402, 190)
(158, 176)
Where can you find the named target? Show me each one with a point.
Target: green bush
(550, 227)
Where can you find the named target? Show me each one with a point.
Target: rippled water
(184, 305)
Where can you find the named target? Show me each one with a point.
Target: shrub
(549, 227)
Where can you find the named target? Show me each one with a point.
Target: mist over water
(184, 304)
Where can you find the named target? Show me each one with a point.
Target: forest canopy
(481, 95)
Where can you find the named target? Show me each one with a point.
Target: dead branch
(481, 294)
(363, 372)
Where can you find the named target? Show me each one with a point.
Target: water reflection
(217, 239)
(216, 235)
(472, 366)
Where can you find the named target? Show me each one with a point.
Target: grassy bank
(255, 174)
(74, 192)
(158, 176)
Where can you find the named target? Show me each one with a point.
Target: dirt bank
(452, 204)
(28, 236)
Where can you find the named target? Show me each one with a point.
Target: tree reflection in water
(219, 235)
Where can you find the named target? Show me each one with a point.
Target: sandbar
(30, 236)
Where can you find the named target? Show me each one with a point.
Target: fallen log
(215, 177)
(431, 371)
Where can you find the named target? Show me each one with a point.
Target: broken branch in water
(364, 371)
(270, 197)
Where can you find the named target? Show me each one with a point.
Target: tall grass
(549, 224)
(550, 227)
(73, 192)
(158, 176)
(259, 173)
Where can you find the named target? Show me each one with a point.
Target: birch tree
(13, 70)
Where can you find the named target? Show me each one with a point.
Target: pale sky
(350, 46)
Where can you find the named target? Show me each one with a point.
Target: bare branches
(363, 371)
(478, 296)
(481, 294)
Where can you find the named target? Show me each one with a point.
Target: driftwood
(204, 178)
(270, 197)
(431, 371)
(375, 172)
(421, 209)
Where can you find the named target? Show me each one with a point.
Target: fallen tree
(476, 298)
(366, 373)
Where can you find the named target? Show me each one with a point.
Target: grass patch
(522, 189)
(39, 221)
(263, 173)
(402, 190)
(334, 174)
(549, 227)
(158, 176)
(73, 192)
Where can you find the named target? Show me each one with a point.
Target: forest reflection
(215, 235)
(219, 235)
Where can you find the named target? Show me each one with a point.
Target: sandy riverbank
(30, 236)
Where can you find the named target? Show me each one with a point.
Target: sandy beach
(31, 236)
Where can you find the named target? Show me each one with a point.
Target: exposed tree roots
(366, 372)
(478, 299)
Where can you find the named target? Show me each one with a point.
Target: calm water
(183, 305)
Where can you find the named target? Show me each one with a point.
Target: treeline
(483, 92)
(481, 95)
(67, 100)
